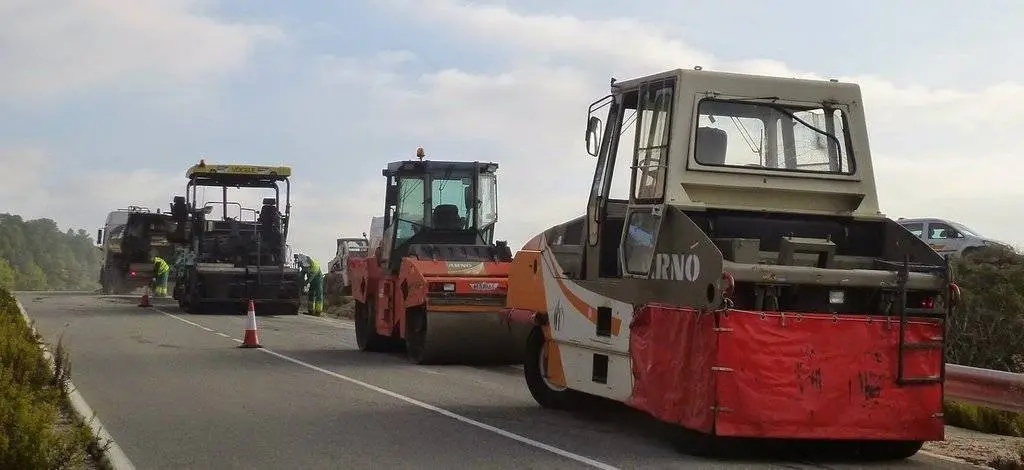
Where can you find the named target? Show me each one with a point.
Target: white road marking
(412, 401)
(444, 412)
(949, 459)
(221, 334)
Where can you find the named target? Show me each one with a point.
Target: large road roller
(436, 283)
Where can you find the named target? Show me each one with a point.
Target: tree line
(37, 255)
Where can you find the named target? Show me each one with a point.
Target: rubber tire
(366, 338)
(547, 397)
(889, 450)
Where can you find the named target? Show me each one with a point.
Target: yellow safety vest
(161, 265)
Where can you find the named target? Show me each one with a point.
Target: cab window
(916, 229)
(939, 231)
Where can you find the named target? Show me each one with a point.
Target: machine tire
(546, 395)
(366, 338)
(889, 450)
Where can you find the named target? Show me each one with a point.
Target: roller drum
(467, 338)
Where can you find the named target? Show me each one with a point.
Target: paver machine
(232, 260)
(436, 283)
(129, 239)
(746, 284)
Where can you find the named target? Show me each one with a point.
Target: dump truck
(746, 284)
(347, 248)
(129, 239)
(233, 260)
(435, 284)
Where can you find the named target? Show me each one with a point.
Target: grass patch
(37, 427)
(986, 420)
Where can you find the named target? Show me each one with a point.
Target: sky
(106, 103)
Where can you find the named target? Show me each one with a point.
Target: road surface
(175, 392)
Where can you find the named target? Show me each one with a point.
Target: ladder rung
(920, 380)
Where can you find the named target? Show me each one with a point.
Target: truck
(435, 283)
(747, 283)
(235, 260)
(347, 248)
(128, 240)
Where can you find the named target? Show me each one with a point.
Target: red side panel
(825, 377)
(673, 352)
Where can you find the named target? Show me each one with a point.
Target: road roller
(436, 282)
(741, 292)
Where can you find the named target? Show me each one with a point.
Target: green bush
(34, 430)
(986, 330)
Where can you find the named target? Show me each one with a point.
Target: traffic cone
(251, 339)
(144, 301)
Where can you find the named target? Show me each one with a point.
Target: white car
(947, 237)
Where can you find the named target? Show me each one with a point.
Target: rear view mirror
(593, 133)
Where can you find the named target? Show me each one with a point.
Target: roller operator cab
(436, 282)
(241, 255)
(744, 283)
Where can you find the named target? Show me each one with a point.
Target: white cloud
(50, 48)
(526, 111)
(530, 114)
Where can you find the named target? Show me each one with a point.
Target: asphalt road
(175, 392)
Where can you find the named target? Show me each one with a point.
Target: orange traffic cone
(144, 301)
(251, 339)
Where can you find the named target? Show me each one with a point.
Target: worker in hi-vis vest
(160, 273)
(316, 288)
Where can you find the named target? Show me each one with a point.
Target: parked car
(948, 237)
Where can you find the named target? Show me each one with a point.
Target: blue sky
(106, 103)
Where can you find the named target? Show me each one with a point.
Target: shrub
(34, 430)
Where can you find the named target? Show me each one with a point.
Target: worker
(316, 288)
(160, 273)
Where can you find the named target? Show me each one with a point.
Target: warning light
(420, 153)
(202, 163)
(133, 273)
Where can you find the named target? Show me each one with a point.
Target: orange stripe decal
(578, 303)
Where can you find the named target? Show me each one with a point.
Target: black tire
(367, 338)
(543, 392)
(889, 450)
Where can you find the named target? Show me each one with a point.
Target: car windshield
(771, 136)
(964, 230)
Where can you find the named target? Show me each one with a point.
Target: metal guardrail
(985, 387)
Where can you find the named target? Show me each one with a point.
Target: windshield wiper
(787, 112)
